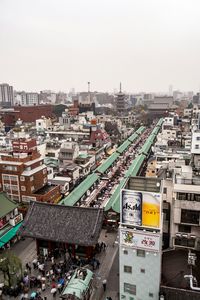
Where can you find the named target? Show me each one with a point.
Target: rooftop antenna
(120, 87)
(88, 86)
(89, 91)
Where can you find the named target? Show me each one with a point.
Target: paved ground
(108, 269)
(113, 280)
(26, 250)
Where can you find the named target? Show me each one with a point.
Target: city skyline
(147, 45)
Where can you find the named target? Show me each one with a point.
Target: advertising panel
(137, 240)
(141, 208)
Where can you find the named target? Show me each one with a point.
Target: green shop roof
(138, 163)
(114, 201)
(123, 147)
(108, 162)
(140, 130)
(6, 205)
(80, 190)
(5, 238)
(133, 137)
(77, 286)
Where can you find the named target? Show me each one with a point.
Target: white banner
(137, 240)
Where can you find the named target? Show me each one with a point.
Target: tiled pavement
(26, 250)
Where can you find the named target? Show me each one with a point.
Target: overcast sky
(61, 44)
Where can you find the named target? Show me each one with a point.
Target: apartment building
(23, 175)
(6, 95)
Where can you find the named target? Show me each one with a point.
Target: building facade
(140, 239)
(23, 175)
(6, 95)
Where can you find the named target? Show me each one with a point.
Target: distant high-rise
(6, 95)
(171, 90)
(120, 105)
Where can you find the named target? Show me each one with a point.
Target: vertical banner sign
(139, 208)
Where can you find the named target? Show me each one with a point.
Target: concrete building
(69, 151)
(65, 120)
(20, 98)
(183, 193)
(140, 244)
(43, 124)
(32, 99)
(6, 95)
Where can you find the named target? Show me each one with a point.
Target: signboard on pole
(140, 240)
(141, 208)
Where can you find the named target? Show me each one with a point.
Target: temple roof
(73, 225)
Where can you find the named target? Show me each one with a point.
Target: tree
(10, 266)
(190, 105)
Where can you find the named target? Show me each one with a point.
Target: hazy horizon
(58, 45)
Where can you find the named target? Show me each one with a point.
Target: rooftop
(6, 205)
(73, 225)
(175, 266)
(44, 190)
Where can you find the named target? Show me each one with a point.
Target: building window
(184, 228)
(28, 198)
(6, 187)
(23, 188)
(142, 270)
(9, 168)
(13, 178)
(22, 178)
(14, 187)
(184, 242)
(189, 216)
(44, 171)
(198, 138)
(130, 288)
(196, 146)
(125, 252)
(140, 253)
(31, 178)
(127, 269)
(16, 198)
(32, 188)
(164, 190)
(151, 295)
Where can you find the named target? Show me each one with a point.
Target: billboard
(137, 240)
(141, 208)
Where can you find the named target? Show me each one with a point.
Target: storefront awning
(9, 235)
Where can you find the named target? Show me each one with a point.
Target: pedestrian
(34, 263)
(53, 292)
(104, 246)
(98, 263)
(104, 282)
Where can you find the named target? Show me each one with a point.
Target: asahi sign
(134, 239)
(140, 208)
